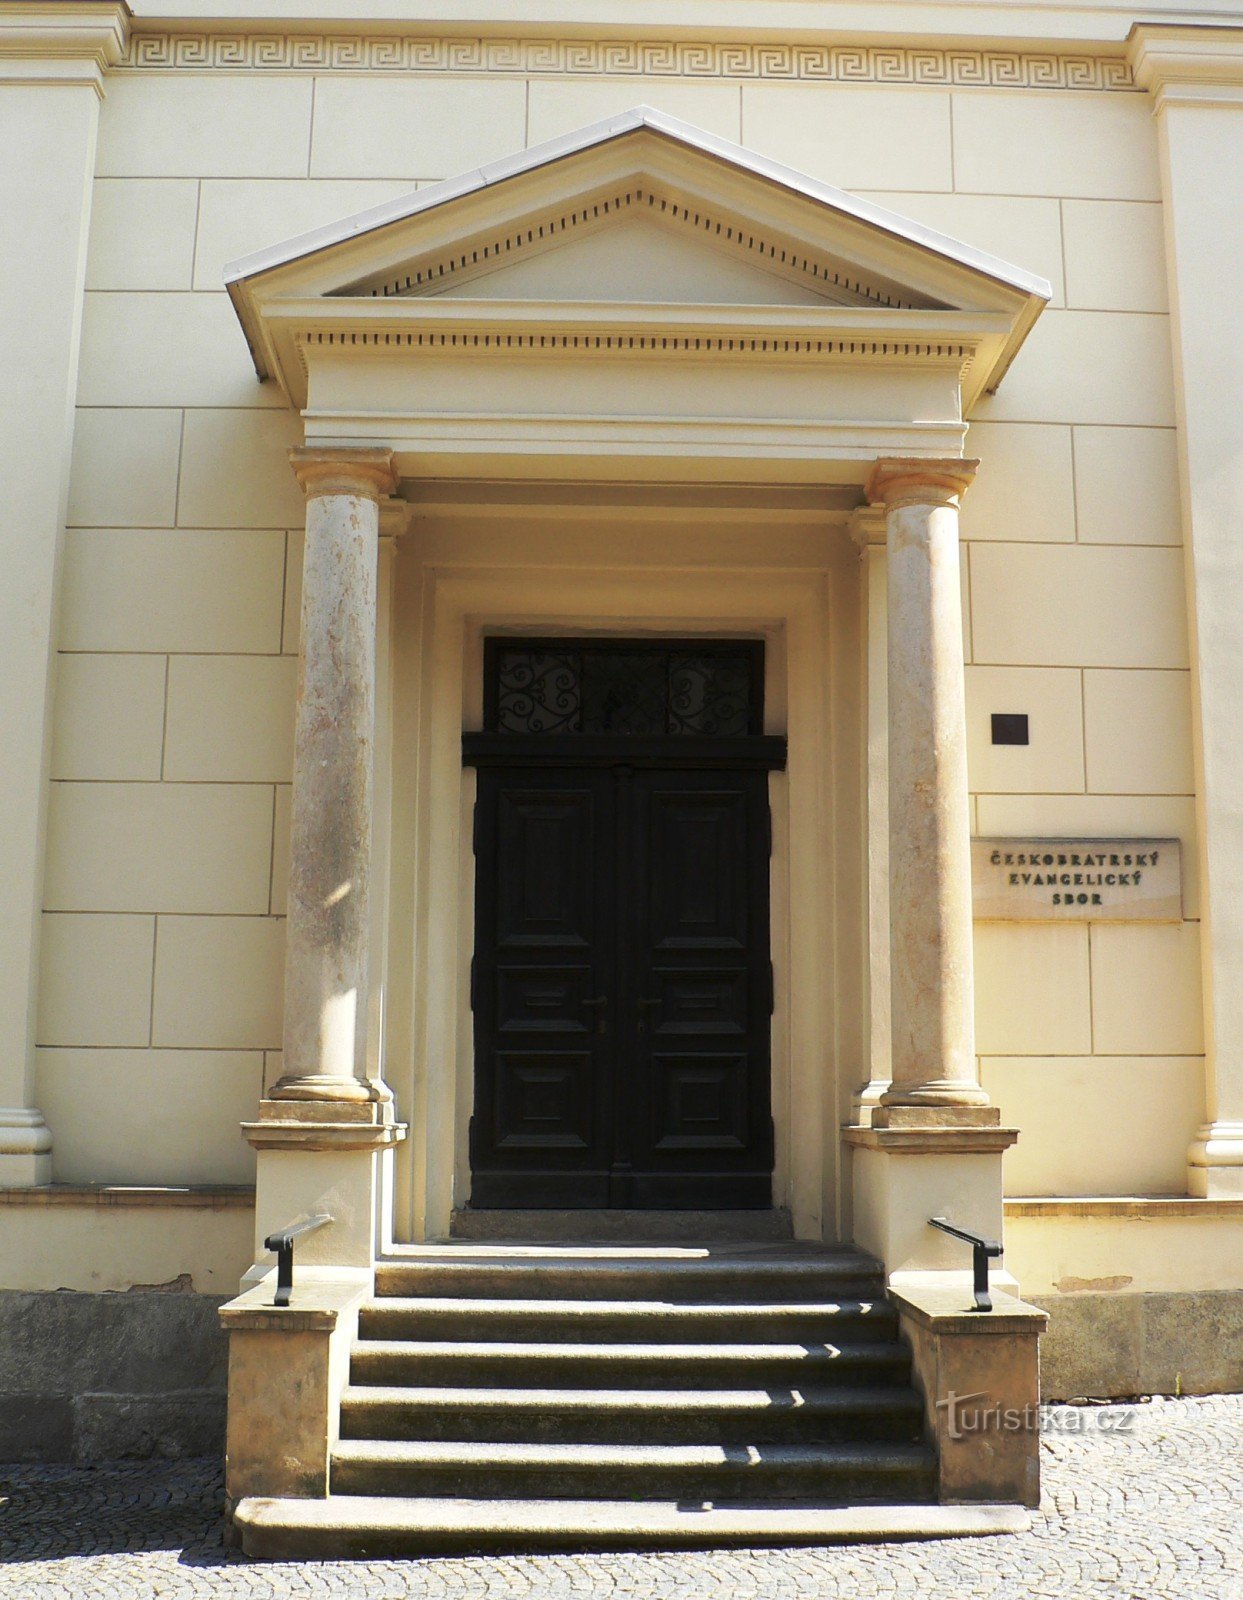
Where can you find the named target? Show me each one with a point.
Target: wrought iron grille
(570, 686)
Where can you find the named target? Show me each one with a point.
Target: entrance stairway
(504, 1396)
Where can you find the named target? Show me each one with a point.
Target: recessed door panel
(709, 1000)
(544, 1100)
(544, 896)
(695, 845)
(543, 999)
(699, 1102)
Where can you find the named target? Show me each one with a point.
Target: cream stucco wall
(168, 814)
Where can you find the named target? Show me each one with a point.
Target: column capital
(919, 480)
(362, 470)
(1192, 65)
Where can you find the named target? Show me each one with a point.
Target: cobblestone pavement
(1140, 1515)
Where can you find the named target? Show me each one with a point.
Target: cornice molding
(554, 341)
(62, 41)
(297, 331)
(261, 49)
(1188, 65)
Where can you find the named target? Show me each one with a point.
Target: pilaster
(52, 60)
(1195, 77)
(867, 529)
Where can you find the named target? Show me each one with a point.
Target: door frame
(774, 581)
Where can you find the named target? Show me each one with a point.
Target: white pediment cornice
(642, 237)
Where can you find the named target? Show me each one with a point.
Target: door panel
(622, 989)
(543, 999)
(545, 840)
(694, 1121)
(543, 1100)
(543, 956)
(695, 850)
(700, 1102)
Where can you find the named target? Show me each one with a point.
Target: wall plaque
(1076, 880)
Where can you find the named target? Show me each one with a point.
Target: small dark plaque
(1010, 727)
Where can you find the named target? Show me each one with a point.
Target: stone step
(640, 1365)
(806, 1415)
(717, 1275)
(670, 1227)
(348, 1526)
(840, 1474)
(613, 1321)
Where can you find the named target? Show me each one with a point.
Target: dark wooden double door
(622, 988)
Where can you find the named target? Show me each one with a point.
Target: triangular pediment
(642, 241)
(633, 258)
(633, 216)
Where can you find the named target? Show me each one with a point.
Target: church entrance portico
(585, 791)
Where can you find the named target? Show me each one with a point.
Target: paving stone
(1153, 1513)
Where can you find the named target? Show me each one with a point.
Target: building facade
(733, 706)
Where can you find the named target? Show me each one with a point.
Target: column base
(1215, 1162)
(324, 1125)
(901, 1114)
(25, 1148)
(950, 1093)
(318, 1087)
(866, 1101)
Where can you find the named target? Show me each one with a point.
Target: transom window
(649, 687)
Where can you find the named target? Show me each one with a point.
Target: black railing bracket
(982, 1251)
(282, 1243)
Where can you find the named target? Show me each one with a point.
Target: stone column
(934, 1145)
(933, 1026)
(53, 62)
(328, 931)
(1195, 76)
(327, 1126)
